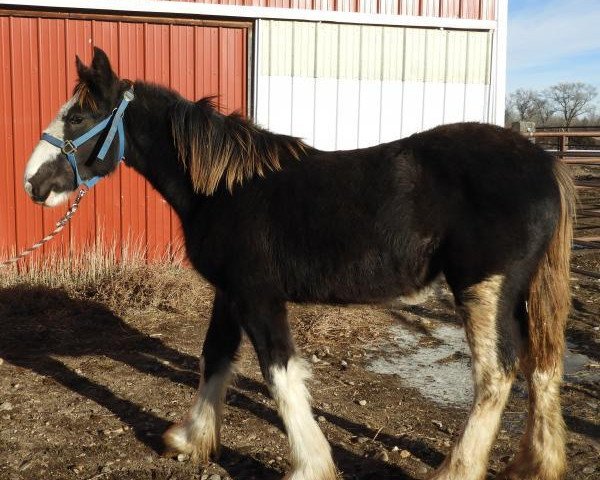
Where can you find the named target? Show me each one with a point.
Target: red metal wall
(474, 9)
(38, 73)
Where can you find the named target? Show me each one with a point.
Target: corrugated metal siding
(475, 9)
(348, 86)
(39, 72)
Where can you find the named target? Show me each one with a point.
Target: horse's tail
(549, 292)
(542, 452)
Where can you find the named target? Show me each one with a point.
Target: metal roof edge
(251, 12)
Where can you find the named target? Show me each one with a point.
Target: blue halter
(115, 123)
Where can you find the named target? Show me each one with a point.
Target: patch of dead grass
(124, 283)
(128, 285)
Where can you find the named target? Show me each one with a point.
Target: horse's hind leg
(482, 306)
(541, 454)
(266, 324)
(198, 434)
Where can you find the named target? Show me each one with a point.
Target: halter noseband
(114, 122)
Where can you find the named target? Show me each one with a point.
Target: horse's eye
(75, 119)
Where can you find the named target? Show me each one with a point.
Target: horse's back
(370, 224)
(496, 190)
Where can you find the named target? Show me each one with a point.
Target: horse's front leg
(265, 322)
(198, 434)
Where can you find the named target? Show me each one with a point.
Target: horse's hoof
(200, 445)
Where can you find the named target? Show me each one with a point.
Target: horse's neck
(150, 148)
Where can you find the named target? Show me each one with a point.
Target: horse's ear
(99, 76)
(83, 72)
(101, 66)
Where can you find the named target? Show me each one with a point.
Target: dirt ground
(86, 393)
(90, 379)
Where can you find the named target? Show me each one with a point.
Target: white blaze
(45, 152)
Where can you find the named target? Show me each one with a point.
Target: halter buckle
(129, 95)
(69, 147)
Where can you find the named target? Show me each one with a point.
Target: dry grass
(127, 285)
(124, 283)
(347, 326)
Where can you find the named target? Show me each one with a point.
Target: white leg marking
(199, 434)
(311, 453)
(468, 458)
(541, 454)
(44, 151)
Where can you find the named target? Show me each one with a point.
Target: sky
(551, 41)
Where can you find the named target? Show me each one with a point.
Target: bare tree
(522, 101)
(543, 109)
(571, 99)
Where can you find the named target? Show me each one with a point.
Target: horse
(268, 219)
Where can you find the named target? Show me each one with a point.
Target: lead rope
(59, 226)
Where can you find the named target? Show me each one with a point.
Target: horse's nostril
(37, 194)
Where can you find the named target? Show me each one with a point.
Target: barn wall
(473, 9)
(38, 74)
(347, 86)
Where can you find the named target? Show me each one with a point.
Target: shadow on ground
(39, 323)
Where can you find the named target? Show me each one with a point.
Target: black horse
(268, 219)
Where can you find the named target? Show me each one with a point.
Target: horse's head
(49, 175)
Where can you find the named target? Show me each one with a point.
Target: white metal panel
(327, 53)
(280, 105)
(326, 86)
(326, 113)
(414, 80)
(475, 102)
(281, 48)
(261, 113)
(456, 60)
(435, 73)
(435, 55)
(370, 86)
(415, 53)
(348, 94)
(478, 58)
(412, 108)
(304, 48)
(347, 114)
(344, 86)
(391, 110)
(454, 102)
(433, 104)
(349, 51)
(369, 109)
(392, 86)
(497, 105)
(303, 108)
(303, 80)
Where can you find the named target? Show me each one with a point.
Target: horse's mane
(212, 146)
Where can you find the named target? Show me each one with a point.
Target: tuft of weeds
(123, 282)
